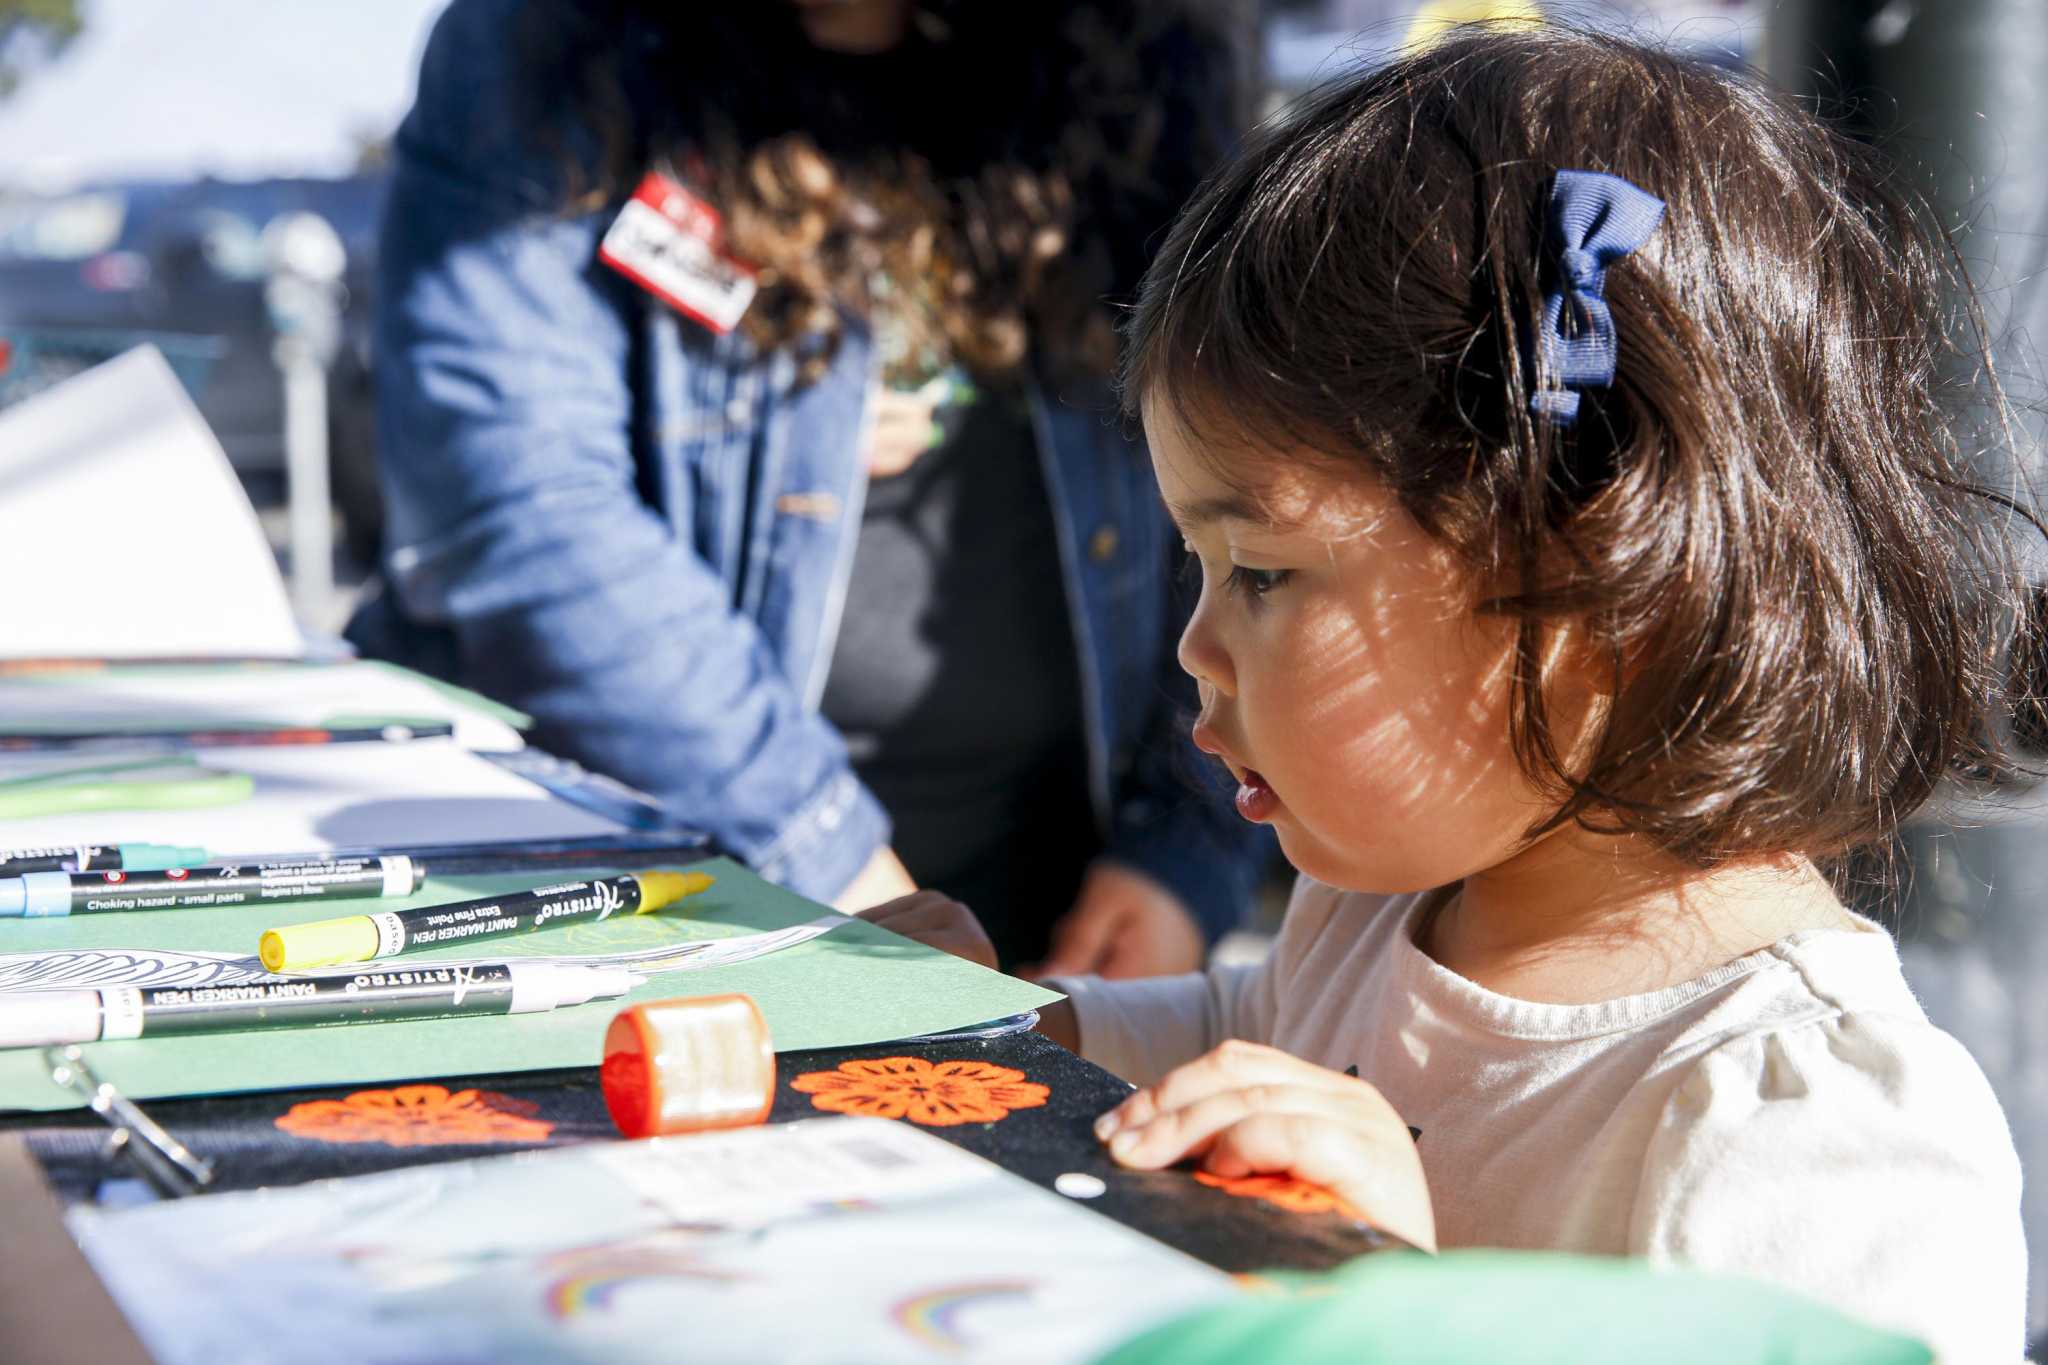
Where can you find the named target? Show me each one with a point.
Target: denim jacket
(641, 532)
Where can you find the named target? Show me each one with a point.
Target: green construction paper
(857, 984)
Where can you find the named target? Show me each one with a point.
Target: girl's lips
(1255, 798)
(1256, 801)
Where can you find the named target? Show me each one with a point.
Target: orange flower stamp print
(1296, 1196)
(418, 1116)
(936, 1094)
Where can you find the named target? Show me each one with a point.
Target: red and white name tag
(671, 243)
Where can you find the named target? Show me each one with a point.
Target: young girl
(1583, 567)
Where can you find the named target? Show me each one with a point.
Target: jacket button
(1102, 545)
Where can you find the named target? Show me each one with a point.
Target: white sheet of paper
(189, 697)
(313, 797)
(124, 532)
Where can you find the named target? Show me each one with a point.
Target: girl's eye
(1257, 582)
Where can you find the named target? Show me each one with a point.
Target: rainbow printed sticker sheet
(837, 1239)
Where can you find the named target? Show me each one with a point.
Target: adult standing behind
(876, 552)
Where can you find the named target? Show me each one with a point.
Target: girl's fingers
(1301, 1144)
(1381, 1179)
(1232, 1066)
(1189, 1129)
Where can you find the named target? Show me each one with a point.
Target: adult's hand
(937, 921)
(1123, 924)
(883, 879)
(902, 431)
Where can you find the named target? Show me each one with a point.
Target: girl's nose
(1203, 656)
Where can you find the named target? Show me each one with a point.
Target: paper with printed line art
(891, 1245)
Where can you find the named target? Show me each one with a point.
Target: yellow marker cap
(322, 943)
(666, 888)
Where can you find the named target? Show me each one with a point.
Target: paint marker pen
(151, 741)
(54, 1018)
(98, 858)
(596, 851)
(40, 894)
(359, 938)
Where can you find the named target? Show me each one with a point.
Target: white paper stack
(284, 696)
(312, 797)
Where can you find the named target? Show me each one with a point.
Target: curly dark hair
(1767, 524)
(993, 183)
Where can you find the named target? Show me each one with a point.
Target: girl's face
(1345, 679)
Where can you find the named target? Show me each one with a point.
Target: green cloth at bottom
(1518, 1308)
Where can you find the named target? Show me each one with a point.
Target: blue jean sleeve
(506, 418)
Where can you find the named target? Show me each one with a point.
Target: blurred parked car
(84, 274)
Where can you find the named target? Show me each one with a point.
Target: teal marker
(98, 858)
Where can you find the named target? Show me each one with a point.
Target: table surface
(287, 1137)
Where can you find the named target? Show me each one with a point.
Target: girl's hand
(937, 922)
(1123, 924)
(1245, 1109)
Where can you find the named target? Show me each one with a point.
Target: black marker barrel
(54, 1018)
(97, 857)
(359, 938)
(39, 894)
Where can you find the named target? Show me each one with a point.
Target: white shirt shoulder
(1823, 1134)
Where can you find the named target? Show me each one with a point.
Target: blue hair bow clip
(1595, 220)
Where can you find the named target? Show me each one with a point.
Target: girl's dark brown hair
(1766, 525)
(1003, 171)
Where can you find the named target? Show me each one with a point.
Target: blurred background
(208, 175)
(161, 166)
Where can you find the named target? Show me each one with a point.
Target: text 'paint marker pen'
(54, 1018)
(98, 858)
(359, 938)
(40, 894)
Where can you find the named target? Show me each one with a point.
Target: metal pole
(303, 297)
(311, 509)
